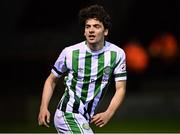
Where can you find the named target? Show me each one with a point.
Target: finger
(45, 121)
(39, 122)
(98, 121)
(48, 119)
(99, 124)
(45, 124)
(95, 118)
(42, 122)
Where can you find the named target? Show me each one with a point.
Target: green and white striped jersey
(88, 74)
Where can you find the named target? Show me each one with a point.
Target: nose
(91, 30)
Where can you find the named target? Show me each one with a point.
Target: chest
(87, 64)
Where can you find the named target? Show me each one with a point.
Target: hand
(44, 117)
(101, 119)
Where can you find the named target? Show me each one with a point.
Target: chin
(92, 42)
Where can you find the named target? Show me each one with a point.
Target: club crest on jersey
(107, 70)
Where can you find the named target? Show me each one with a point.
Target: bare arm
(101, 119)
(44, 115)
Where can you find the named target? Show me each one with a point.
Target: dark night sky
(34, 32)
(131, 19)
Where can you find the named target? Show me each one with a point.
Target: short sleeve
(120, 68)
(60, 65)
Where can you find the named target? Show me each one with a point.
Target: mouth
(91, 37)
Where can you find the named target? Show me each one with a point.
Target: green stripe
(120, 75)
(113, 58)
(79, 125)
(66, 121)
(72, 124)
(87, 76)
(75, 59)
(100, 73)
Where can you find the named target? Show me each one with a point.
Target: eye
(97, 26)
(87, 26)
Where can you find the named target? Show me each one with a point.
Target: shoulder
(113, 47)
(75, 46)
(71, 48)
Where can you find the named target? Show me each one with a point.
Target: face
(95, 32)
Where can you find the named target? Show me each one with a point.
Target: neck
(96, 47)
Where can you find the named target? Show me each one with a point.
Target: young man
(89, 65)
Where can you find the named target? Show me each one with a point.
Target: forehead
(93, 21)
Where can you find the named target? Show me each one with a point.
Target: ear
(106, 32)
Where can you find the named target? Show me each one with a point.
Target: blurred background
(33, 33)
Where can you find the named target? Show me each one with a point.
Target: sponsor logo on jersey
(93, 80)
(80, 69)
(123, 67)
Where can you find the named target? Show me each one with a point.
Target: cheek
(100, 34)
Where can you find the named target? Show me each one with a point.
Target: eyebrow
(93, 24)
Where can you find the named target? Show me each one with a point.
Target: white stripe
(81, 70)
(71, 101)
(69, 65)
(121, 78)
(69, 59)
(60, 122)
(56, 74)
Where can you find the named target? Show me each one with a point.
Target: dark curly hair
(95, 11)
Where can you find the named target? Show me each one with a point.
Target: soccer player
(89, 65)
